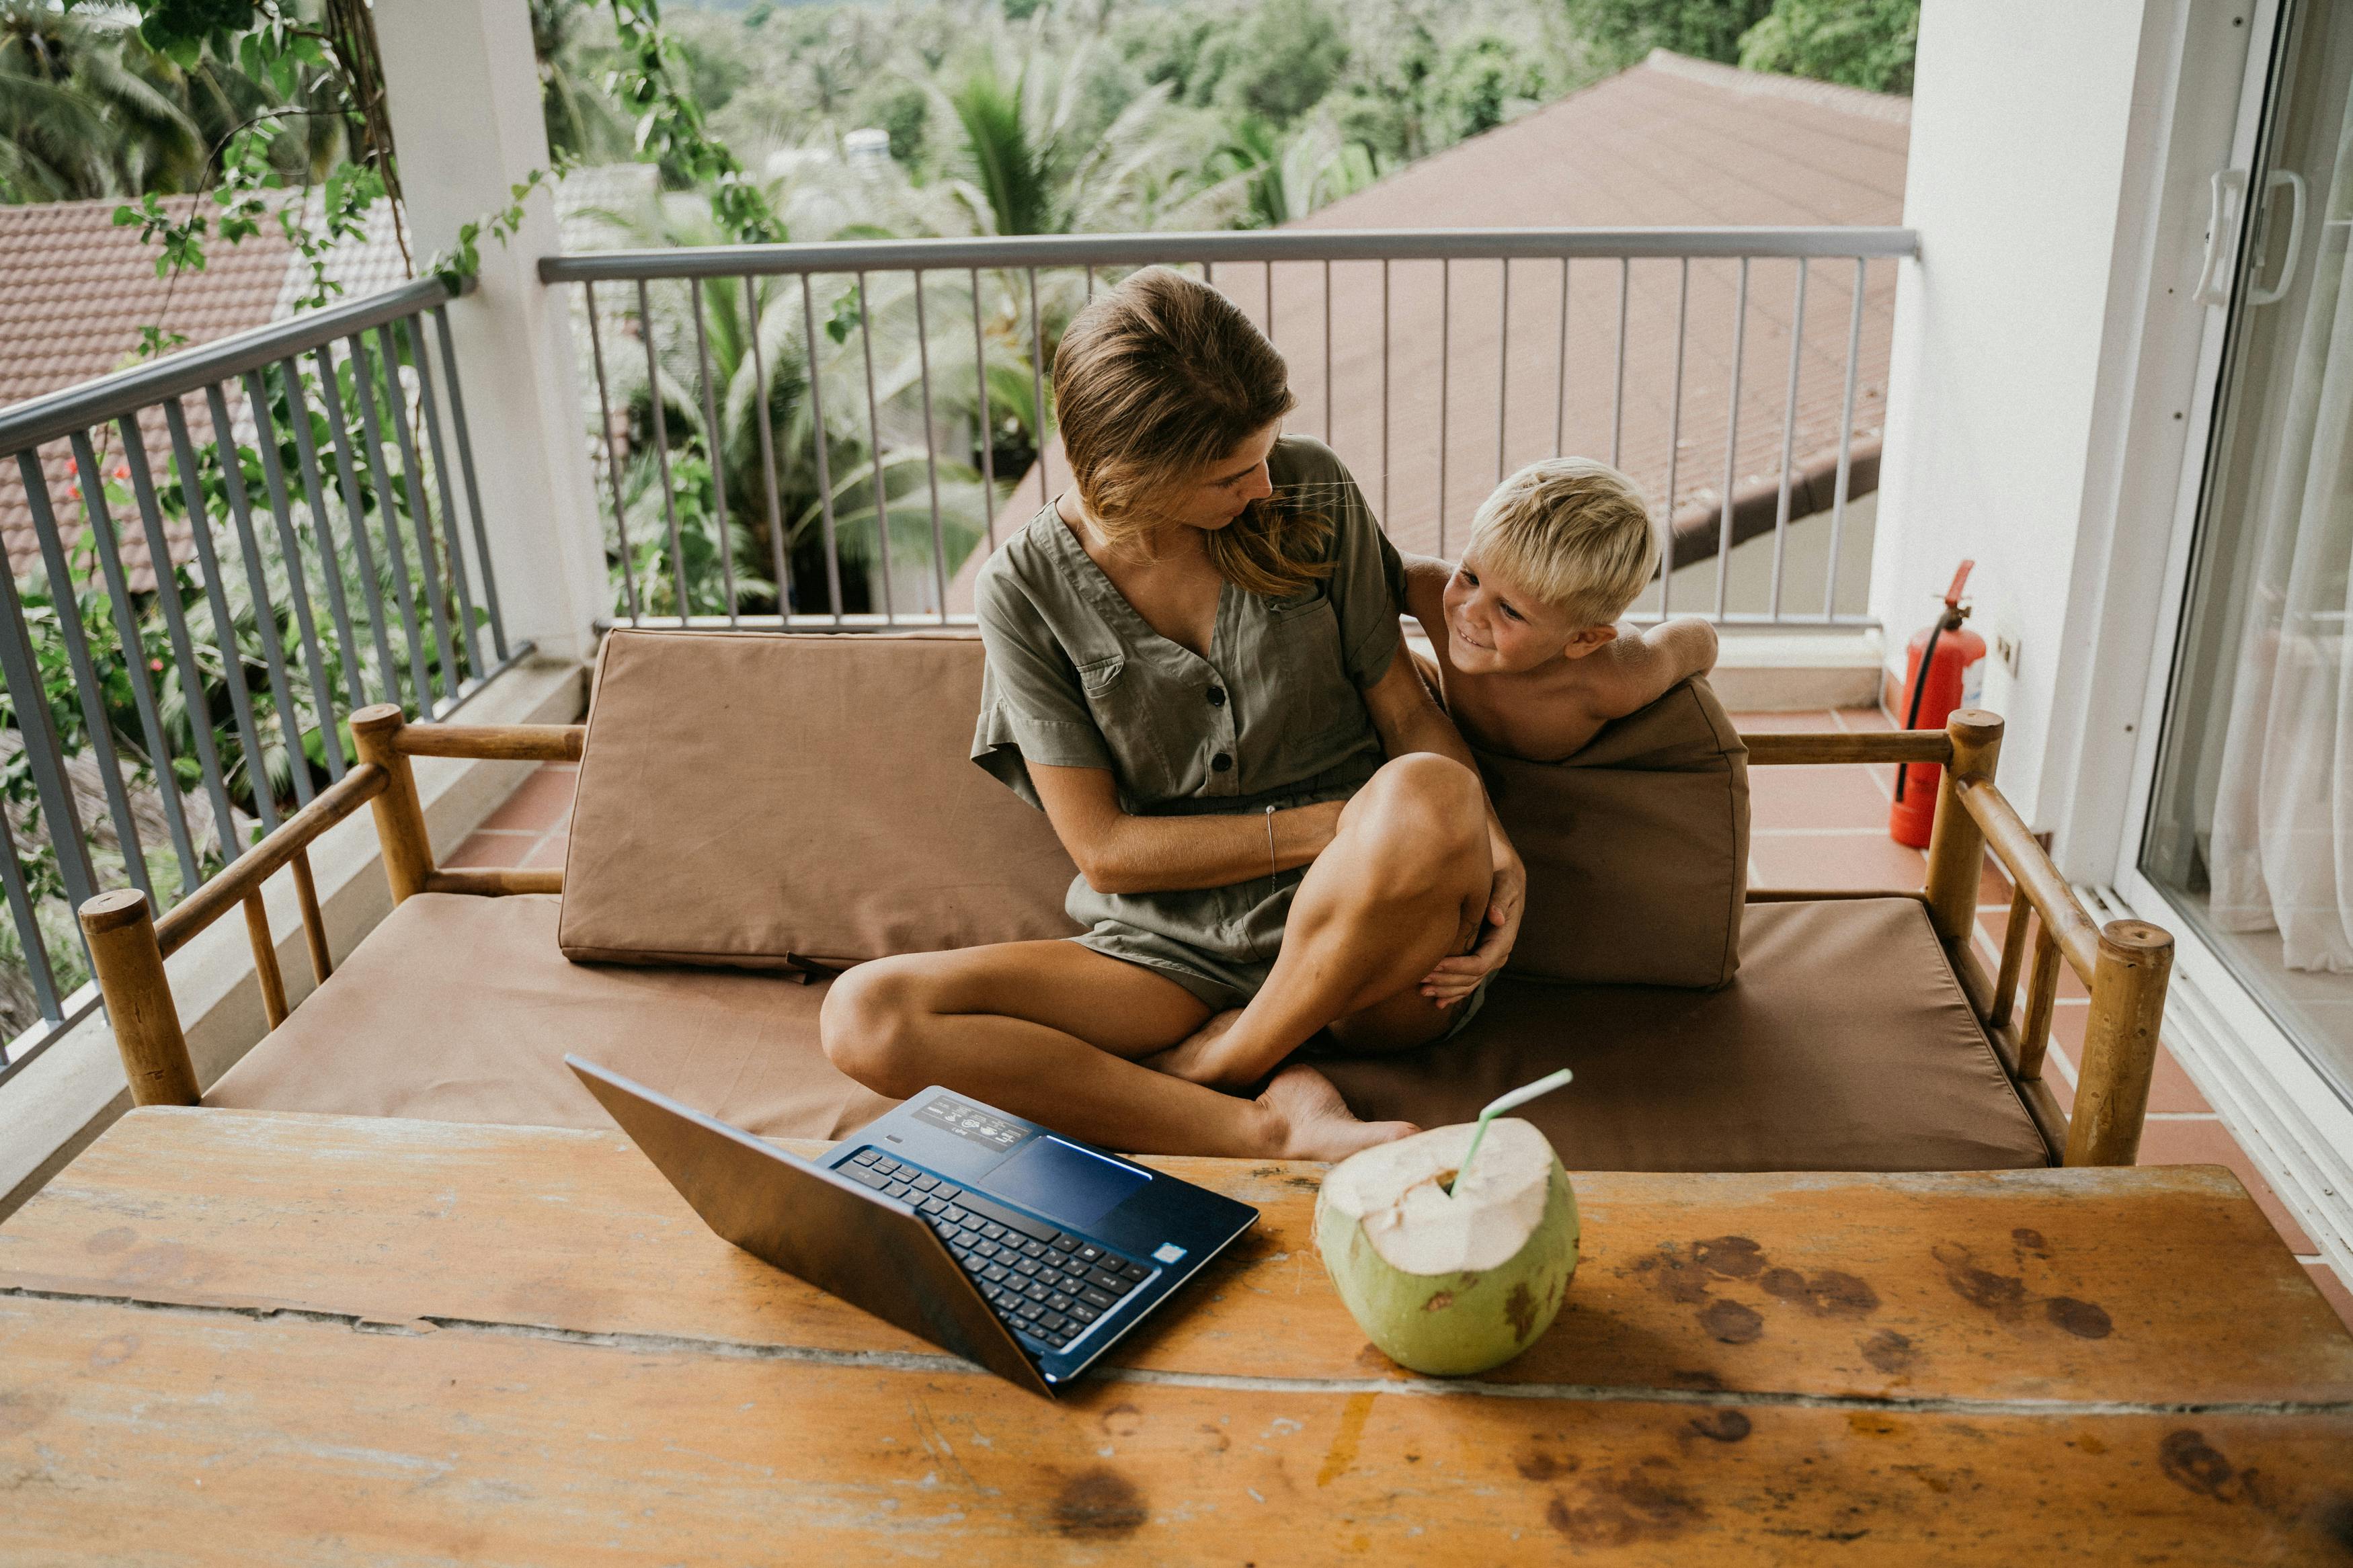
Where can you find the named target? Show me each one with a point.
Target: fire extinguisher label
(1973, 682)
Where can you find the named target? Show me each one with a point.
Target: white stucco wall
(2021, 124)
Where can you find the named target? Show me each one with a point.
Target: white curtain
(2282, 852)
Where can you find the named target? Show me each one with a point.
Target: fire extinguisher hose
(1920, 689)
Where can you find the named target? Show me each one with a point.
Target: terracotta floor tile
(1834, 860)
(548, 855)
(1812, 721)
(2208, 1142)
(492, 850)
(1862, 718)
(1813, 798)
(2338, 1296)
(541, 801)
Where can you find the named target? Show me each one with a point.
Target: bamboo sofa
(754, 811)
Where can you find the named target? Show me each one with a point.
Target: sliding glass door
(2250, 828)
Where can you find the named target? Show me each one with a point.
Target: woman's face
(1221, 490)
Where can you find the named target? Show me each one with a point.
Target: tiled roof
(1672, 141)
(75, 290)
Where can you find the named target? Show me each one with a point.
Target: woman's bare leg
(1046, 1030)
(1405, 883)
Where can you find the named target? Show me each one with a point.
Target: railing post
(1957, 845)
(121, 930)
(2120, 1040)
(399, 815)
(462, 90)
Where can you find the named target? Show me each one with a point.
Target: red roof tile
(74, 291)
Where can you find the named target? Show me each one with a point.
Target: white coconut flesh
(1396, 1194)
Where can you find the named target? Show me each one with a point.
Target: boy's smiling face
(1497, 627)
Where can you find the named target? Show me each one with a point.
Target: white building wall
(2019, 131)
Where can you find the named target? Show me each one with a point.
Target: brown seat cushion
(748, 799)
(1637, 848)
(460, 1009)
(1844, 1045)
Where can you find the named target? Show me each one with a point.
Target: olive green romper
(1274, 716)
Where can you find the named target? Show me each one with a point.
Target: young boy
(1530, 659)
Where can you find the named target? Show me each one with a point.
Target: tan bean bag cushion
(759, 801)
(1637, 848)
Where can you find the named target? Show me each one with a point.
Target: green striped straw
(1495, 1108)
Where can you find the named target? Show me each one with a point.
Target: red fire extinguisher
(1947, 671)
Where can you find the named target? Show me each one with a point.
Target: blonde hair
(1575, 532)
(1154, 382)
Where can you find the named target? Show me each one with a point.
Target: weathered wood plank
(195, 1437)
(2151, 1285)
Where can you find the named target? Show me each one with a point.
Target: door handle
(2294, 183)
(2212, 287)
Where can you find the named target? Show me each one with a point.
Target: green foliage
(1279, 64)
(1620, 32)
(651, 82)
(1862, 43)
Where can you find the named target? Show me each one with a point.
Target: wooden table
(259, 1338)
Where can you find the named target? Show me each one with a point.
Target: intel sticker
(1168, 1252)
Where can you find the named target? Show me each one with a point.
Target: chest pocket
(1121, 695)
(1304, 654)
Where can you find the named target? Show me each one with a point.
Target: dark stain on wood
(1733, 1257)
(1626, 1510)
(1099, 1505)
(1122, 1420)
(1731, 1322)
(1890, 1351)
(1830, 1293)
(1536, 1463)
(2085, 1320)
(1723, 1426)
(2031, 1240)
(2003, 1295)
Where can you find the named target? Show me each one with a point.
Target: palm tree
(79, 117)
(769, 382)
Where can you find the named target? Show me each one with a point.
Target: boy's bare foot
(1193, 1058)
(1317, 1123)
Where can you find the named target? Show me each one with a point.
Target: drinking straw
(1495, 1108)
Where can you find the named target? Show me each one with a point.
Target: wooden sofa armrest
(2126, 964)
(128, 944)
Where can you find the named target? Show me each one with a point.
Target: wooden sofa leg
(121, 930)
(1957, 844)
(399, 816)
(2120, 1043)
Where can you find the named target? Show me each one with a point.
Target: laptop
(992, 1237)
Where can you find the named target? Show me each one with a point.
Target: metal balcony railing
(174, 532)
(908, 424)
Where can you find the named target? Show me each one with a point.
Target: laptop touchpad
(1075, 1185)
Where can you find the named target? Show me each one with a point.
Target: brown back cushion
(748, 799)
(1637, 848)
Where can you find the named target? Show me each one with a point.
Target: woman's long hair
(1154, 382)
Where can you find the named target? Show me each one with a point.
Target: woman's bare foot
(1317, 1123)
(1194, 1058)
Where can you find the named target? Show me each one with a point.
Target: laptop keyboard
(1047, 1285)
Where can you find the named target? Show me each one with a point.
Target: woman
(1193, 667)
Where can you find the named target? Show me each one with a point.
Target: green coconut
(1451, 1283)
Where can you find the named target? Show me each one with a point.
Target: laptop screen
(1063, 1182)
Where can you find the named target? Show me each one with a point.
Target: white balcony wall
(2044, 342)
(462, 88)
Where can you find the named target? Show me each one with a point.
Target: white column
(462, 88)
